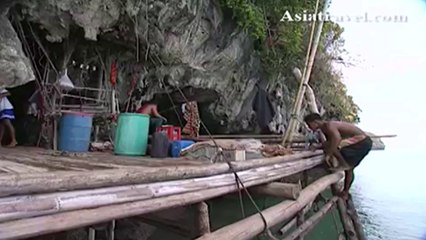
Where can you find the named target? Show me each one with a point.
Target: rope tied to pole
(220, 153)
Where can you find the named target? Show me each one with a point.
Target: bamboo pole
(254, 225)
(72, 180)
(13, 208)
(36, 226)
(303, 84)
(293, 222)
(111, 230)
(310, 95)
(348, 226)
(309, 224)
(92, 234)
(357, 223)
(299, 222)
(278, 189)
(346, 221)
(202, 220)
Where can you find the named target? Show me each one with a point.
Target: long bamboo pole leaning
(344, 217)
(36, 226)
(354, 216)
(301, 93)
(254, 225)
(310, 223)
(14, 184)
(293, 221)
(310, 95)
(18, 207)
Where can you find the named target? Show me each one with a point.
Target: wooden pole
(278, 189)
(92, 234)
(65, 180)
(346, 221)
(310, 95)
(13, 208)
(303, 84)
(202, 220)
(348, 226)
(299, 222)
(36, 226)
(293, 222)
(357, 223)
(111, 230)
(252, 226)
(309, 224)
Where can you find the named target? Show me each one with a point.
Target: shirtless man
(156, 120)
(357, 144)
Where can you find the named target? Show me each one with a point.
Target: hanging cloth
(192, 118)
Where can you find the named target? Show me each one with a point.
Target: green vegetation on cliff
(284, 46)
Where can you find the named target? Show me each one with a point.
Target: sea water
(390, 195)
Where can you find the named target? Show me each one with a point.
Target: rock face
(180, 43)
(15, 67)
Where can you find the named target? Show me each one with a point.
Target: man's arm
(333, 142)
(333, 149)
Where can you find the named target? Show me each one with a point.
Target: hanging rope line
(220, 154)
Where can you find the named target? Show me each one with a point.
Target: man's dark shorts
(355, 153)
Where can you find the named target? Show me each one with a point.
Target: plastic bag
(65, 82)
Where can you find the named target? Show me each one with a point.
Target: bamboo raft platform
(44, 192)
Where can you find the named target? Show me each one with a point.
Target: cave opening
(170, 106)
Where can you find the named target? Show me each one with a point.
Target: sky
(388, 82)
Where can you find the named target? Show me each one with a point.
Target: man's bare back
(346, 130)
(351, 155)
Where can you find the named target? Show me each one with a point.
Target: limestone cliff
(176, 43)
(181, 43)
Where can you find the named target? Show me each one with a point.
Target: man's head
(313, 120)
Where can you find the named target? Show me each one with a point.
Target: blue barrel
(74, 132)
(177, 145)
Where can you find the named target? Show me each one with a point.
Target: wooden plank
(62, 162)
(13, 167)
(41, 164)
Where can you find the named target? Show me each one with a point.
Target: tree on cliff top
(284, 47)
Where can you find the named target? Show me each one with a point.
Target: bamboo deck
(41, 192)
(35, 160)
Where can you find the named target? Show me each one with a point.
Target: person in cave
(6, 115)
(345, 141)
(156, 119)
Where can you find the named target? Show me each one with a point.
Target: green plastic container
(131, 134)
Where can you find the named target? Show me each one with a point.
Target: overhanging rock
(15, 67)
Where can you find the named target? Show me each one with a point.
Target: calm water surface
(390, 194)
